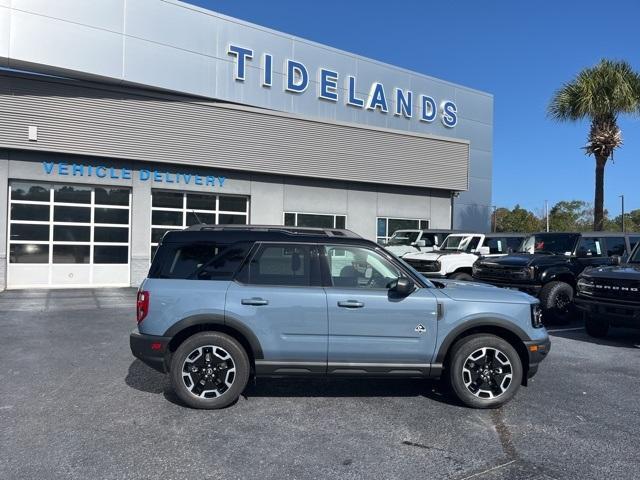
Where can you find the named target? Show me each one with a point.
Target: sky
(520, 51)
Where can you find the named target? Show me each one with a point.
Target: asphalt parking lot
(74, 403)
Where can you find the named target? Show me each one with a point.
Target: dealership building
(123, 119)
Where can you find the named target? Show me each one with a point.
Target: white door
(65, 235)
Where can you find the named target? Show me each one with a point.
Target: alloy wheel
(208, 371)
(487, 373)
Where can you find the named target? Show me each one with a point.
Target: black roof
(250, 233)
(585, 234)
(506, 234)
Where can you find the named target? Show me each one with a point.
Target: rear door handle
(254, 301)
(350, 304)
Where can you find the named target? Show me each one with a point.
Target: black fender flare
(552, 273)
(447, 342)
(216, 319)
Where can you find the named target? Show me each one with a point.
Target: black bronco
(548, 265)
(610, 296)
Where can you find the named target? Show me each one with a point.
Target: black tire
(225, 376)
(465, 277)
(596, 327)
(464, 376)
(556, 299)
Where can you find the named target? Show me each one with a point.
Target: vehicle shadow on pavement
(143, 378)
(617, 337)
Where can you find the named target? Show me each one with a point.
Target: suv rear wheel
(485, 371)
(556, 299)
(209, 370)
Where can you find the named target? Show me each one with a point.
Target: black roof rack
(328, 232)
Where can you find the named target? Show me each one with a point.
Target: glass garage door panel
(68, 235)
(178, 210)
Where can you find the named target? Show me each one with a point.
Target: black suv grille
(625, 290)
(424, 265)
(501, 273)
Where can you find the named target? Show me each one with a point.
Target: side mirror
(616, 259)
(483, 251)
(402, 286)
(420, 243)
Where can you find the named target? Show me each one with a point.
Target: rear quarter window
(198, 261)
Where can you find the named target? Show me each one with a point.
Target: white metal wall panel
(81, 119)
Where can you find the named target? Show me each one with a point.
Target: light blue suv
(224, 303)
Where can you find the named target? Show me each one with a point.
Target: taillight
(142, 305)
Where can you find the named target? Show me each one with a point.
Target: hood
(400, 250)
(482, 292)
(629, 271)
(525, 260)
(429, 255)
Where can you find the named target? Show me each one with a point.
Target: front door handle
(254, 301)
(350, 304)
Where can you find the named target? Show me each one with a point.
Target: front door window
(357, 267)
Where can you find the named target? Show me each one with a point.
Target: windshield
(553, 243)
(401, 237)
(460, 243)
(635, 255)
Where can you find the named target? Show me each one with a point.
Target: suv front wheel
(556, 299)
(485, 371)
(209, 370)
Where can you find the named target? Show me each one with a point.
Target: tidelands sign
(297, 80)
(144, 175)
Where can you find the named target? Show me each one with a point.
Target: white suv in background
(457, 254)
(414, 241)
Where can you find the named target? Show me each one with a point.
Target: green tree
(600, 94)
(516, 220)
(631, 221)
(567, 216)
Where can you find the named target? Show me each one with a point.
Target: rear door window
(513, 244)
(616, 246)
(283, 264)
(199, 261)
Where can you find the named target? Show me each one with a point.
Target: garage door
(178, 210)
(68, 235)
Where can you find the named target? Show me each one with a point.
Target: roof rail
(329, 232)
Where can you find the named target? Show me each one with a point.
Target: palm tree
(600, 94)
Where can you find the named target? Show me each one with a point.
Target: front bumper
(538, 351)
(150, 349)
(620, 314)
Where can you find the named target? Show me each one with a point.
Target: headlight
(585, 284)
(536, 315)
(532, 272)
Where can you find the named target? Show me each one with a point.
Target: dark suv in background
(548, 266)
(610, 296)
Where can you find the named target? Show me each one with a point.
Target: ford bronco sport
(224, 303)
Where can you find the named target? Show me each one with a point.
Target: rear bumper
(618, 313)
(538, 351)
(150, 349)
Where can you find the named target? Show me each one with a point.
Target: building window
(317, 220)
(68, 224)
(386, 226)
(178, 210)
